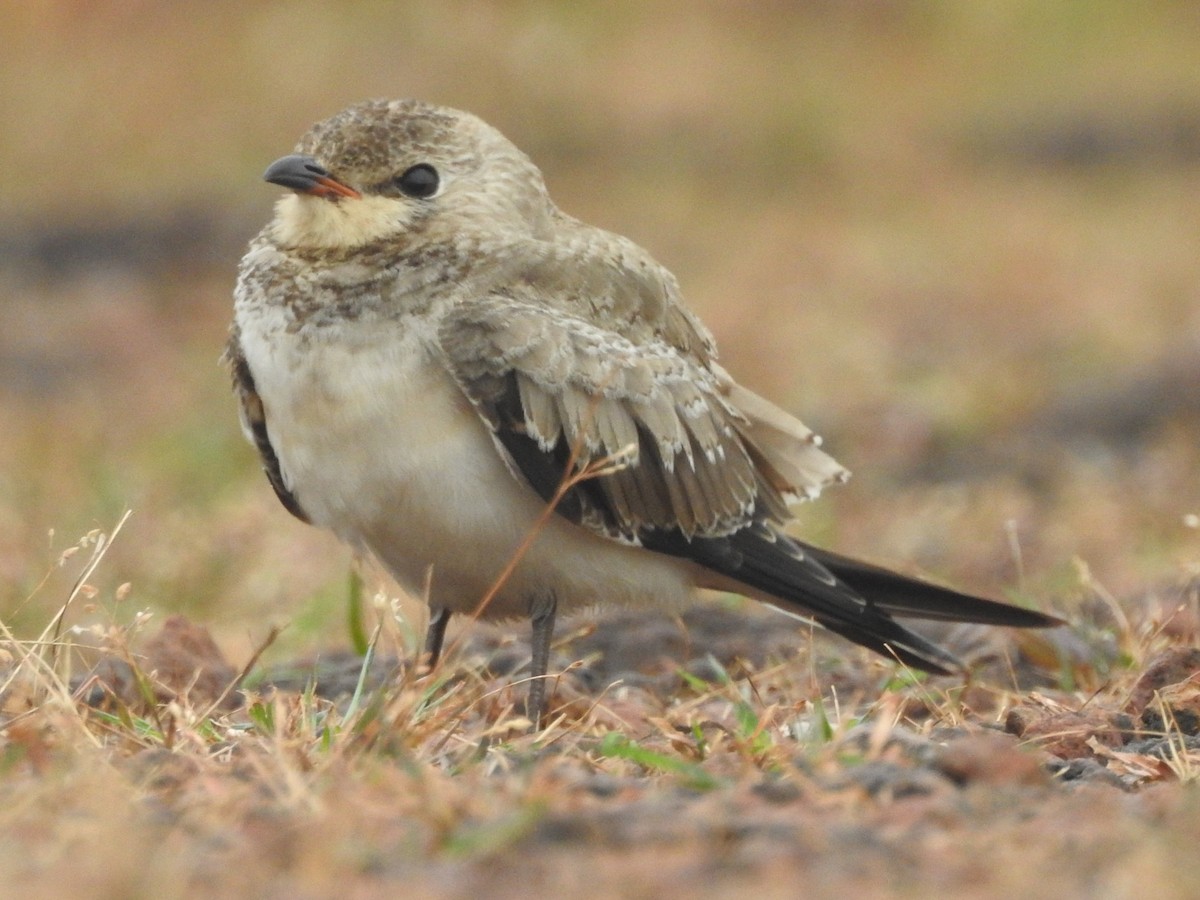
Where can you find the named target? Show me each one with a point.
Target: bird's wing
(691, 452)
(701, 469)
(254, 424)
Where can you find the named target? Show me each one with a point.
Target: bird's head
(383, 171)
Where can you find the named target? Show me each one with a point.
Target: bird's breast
(379, 444)
(355, 413)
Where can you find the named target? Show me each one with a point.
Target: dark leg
(541, 615)
(438, 619)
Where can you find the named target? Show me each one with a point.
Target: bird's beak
(305, 175)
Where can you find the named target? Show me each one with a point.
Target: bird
(515, 412)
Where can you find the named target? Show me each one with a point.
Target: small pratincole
(427, 352)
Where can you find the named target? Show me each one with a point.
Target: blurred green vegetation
(924, 226)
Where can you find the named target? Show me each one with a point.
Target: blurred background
(959, 239)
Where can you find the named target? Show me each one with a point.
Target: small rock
(1172, 667)
(988, 759)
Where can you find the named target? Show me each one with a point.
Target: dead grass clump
(163, 769)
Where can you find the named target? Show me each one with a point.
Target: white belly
(379, 445)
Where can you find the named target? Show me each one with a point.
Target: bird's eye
(420, 181)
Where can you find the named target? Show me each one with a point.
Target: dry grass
(958, 238)
(844, 774)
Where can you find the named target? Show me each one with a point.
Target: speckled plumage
(418, 373)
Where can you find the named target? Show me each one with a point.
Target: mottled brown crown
(368, 144)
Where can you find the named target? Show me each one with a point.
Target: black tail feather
(903, 596)
(853, 599)
(910, 649)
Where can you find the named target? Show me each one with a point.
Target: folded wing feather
(701, 454)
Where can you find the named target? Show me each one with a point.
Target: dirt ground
(959, 240)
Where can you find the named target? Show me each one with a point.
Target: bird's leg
(435, 634)
(541, 616)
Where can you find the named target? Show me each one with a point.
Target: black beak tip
(297, 171)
